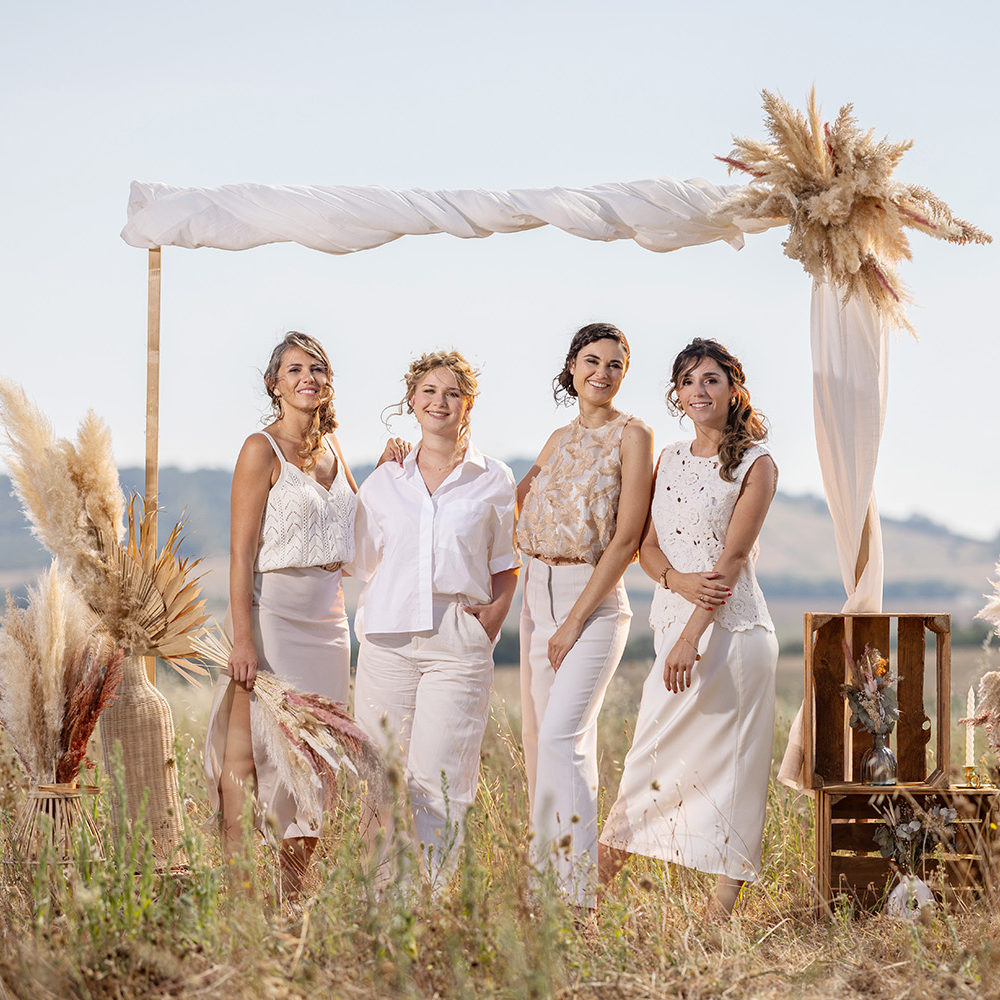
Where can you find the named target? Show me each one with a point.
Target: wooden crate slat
(827, 678)
(911, 735)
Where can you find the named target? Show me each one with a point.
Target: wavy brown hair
(562, 384)
(466, 376)
(324, 418)
(744, 424)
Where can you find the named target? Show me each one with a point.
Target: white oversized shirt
(410, 545)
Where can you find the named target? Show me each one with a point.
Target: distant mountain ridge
(927, 564)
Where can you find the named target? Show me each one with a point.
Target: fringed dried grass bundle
(57, 671)
(991, 613)
(148, 601)
(310, 738)
(847, 216)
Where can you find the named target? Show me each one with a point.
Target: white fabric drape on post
(660, 214)
(850, 353)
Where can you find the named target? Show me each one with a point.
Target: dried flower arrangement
(58, 671)
(907, 833)
(148, 602)
(988, 703)
(310, 738)
(870, 693)
(847, 216)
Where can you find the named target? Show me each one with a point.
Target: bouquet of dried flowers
(870, 692)
(148, 601)
(310, 739)
(907, 832)
(847, 216)
(58, 671)
(988, 703)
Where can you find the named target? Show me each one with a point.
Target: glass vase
(878, 765)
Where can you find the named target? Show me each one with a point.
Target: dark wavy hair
(744, 424)
(324, 417)
(562, 384)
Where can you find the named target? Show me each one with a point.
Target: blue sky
(491, 95)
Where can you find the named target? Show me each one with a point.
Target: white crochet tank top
(691, 508)
(305, 524)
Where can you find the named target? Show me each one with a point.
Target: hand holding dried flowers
(845, 212)
(147, 601)
(57, 673)
(870, 693)
(907, 833)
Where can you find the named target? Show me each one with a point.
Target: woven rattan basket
(140, 720)
(50, 820)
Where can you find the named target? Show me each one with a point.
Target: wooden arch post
(152, 407)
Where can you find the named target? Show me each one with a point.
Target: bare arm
(744, 526)
(252, 479)
(633, 511)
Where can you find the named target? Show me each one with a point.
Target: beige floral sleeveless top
(571, 510)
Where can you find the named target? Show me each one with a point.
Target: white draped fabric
(850, 353)
(659, 214)
(849, 343)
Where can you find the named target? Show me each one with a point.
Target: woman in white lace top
(291, 528)
(694, 786)
(584, 504)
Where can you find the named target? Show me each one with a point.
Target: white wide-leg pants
(425, 697)
(559, 710)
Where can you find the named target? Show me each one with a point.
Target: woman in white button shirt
(434, 543)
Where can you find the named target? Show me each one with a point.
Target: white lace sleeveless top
(305, 524)
(691, 508)
(571, 510)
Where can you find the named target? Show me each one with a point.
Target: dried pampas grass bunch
(310, 738)
(991, 613)
(847, 216)
(57, 672)
(148, 601)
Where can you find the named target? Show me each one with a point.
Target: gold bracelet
(683, 638)
(663, 578)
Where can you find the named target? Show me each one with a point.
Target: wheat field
(119, 929)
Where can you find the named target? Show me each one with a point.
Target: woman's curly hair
(562, 384)
(466, 376)
(744, 424)
(324, 418)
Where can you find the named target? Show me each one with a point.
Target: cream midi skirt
(300, 632)
(694, 785)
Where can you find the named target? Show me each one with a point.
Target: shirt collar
(473, 456)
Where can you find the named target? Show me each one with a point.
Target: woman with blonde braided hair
(291, 528)
(694, 785)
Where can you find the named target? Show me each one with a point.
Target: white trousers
(425, 697)
(559, 718)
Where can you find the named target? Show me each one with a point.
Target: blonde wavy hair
(324, 417)
(466, 376)
(744, 424)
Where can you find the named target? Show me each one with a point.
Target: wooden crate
(832, 748)
(848, 861)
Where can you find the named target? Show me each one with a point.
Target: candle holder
(972, 777)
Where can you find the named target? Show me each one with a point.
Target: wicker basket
(63, 812)
(140, 720)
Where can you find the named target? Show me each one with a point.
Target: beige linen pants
(425, 697)
(559, 727)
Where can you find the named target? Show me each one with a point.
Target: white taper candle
(970, 730)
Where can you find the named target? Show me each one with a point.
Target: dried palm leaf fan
(147, 601)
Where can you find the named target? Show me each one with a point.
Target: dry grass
(109, 933)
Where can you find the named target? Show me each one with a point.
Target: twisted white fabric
(660, 214)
